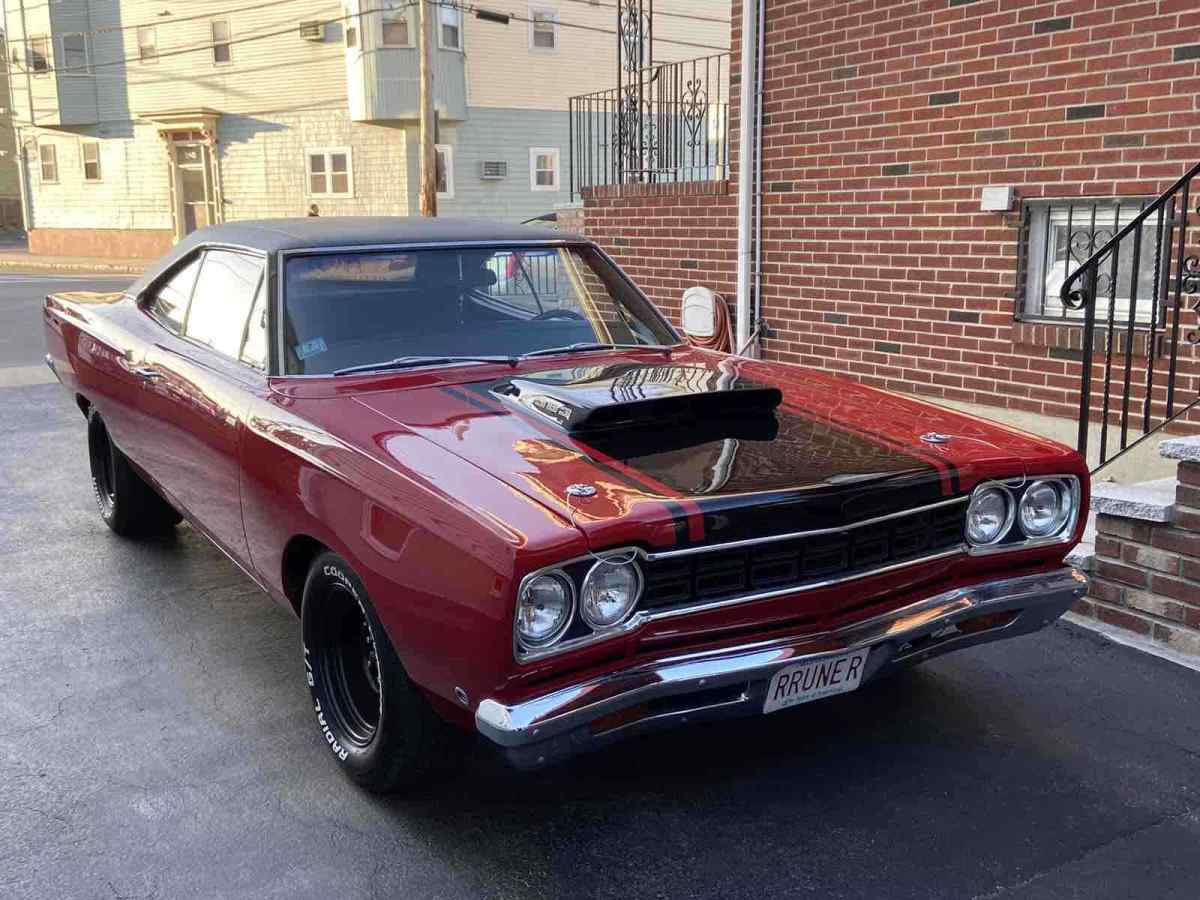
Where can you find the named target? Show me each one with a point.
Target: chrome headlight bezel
(1015, 538)
(536, 644)
(595, 571)
(1065, 507)
(1010, 512)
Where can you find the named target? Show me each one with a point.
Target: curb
(1134, 641)
(97, 267)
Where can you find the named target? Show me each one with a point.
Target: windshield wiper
(411, 362)
(588, 346)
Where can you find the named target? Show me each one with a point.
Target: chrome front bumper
(732, 681)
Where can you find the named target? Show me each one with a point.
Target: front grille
(704, 577)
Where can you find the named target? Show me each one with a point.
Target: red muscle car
(502, 495)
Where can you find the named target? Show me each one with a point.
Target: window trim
(1025, 237)
(461, 25)
(84, 71)
(145, 297)
(448, 149)
(47, 57)
(142, 58)
(405, 11)
(534, 152)
(328, 153)
(53, 148)
(227, 43)
(83, 162)
(552, 13)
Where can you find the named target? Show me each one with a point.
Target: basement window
(1058, 236)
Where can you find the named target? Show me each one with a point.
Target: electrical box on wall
(997, 199)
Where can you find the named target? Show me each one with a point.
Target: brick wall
(883, 120)
(1146, 576)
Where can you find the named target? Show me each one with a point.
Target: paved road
(156, 741)
(21, 298)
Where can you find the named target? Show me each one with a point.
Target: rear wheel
(376, 722)
(128, 505)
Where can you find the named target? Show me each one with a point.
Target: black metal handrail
(666, 122)
(1176, 265)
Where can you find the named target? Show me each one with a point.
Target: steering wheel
(557, 314)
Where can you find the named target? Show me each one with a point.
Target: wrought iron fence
(664, 123)
(1138, 298)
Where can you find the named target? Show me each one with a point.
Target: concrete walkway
(15, 257)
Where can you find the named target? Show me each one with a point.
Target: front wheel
(375, 721)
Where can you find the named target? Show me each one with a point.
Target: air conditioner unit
(493, 169)
(312, 31)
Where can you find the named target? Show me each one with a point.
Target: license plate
(807, 681)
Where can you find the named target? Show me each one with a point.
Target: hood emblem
(936, 437)
(581, 490)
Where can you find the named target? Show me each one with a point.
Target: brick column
(1146, 576)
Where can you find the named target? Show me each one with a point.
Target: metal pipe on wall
(747, 122)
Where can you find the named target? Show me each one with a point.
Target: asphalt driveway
(156, 741)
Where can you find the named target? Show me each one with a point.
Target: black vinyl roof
(273, 235)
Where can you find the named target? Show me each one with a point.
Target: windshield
(349, 309)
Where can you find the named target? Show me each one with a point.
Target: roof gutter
(749, 135)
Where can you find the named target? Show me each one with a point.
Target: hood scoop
(598, 399)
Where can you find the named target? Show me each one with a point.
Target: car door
(203, 381)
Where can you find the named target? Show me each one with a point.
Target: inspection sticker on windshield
(807, 681)
(311, 348)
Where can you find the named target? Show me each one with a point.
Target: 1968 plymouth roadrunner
(503, 495)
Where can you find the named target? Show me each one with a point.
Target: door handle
(147, 373)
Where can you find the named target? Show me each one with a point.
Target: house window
(48, 156)
(329, 173)
(39, 54)
(395, 23)
(351, 37)
(543, 168)
(449, 28)
(74, 57)
(543, 29)
(1058, 236)
(222, 48)
(147, 38)
(91, 160)
(445, 171)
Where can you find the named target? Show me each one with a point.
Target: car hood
(699, 447)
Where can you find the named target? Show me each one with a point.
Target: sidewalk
(15, 257)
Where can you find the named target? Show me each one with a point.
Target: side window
(254, 347)
(169, 304)
(222, 299)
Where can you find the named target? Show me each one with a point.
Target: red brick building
(883, 121)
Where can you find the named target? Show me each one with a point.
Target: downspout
(759, 327)
(747, 120)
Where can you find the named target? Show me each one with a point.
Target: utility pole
(428, 157)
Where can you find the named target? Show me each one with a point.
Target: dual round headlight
(1044, 509)
(546, 603)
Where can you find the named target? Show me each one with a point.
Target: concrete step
(1147, 501)
(1181, 448)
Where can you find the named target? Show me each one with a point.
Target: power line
(673, 15)
(159, 22)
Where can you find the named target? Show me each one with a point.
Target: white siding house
(138, 121)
